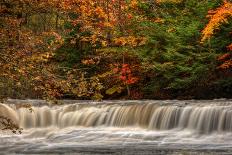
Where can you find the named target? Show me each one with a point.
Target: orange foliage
(224, 57)
(226, 60)
(28, 55)
(217, 18)
(226, 65)
(104, 19)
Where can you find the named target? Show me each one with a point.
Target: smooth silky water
(119, 127)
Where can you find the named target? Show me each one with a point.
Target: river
(170, 127)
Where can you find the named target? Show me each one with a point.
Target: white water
(120, 125)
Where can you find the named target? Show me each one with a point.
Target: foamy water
(123, 127)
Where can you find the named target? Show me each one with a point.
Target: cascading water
(203, 119)
(157, 123)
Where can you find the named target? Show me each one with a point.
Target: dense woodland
(115, 49)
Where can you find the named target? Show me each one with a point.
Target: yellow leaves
(108, 24)
(38, 78)
(41, 57)
(93, 39)
(100, 13)
(114, 89)
(169, 1)
(217, 18)
(159, 20)
(28, 58)
(103, 19)
(85, 87)
(130, 41)
(95, 83)
(97, 97)
(85, 39)
(82, 8)
(122, 41)
(171, 30)
(133, 3)
(104, 43)
(105, 75)
(21, 71)
(88, 62)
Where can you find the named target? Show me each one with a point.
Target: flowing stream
(119, 127)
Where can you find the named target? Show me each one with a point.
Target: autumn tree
(218, 17)
(70, 48)
(26, 53)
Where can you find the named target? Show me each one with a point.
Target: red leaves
(226, 65)
(224, 57)
(226, 60)
(125, 74)
(129, 16)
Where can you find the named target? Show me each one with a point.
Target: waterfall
(202, 118)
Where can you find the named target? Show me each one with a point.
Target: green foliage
(114, 89)
(179, 61)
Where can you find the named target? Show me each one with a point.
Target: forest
(128, 77)
(115, 49)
